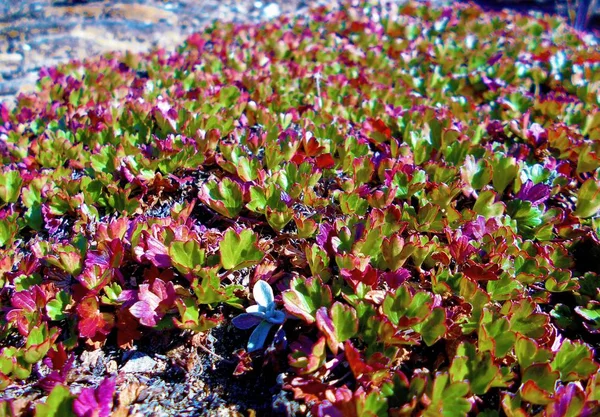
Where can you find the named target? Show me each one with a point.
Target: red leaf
(461, 249)
(306, 389)
(92, 321)
(356, 276)
(479, 273)
(325, 161)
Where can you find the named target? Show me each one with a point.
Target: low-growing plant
(412, 190)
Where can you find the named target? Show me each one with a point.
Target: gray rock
(271, 11)
(140, 362)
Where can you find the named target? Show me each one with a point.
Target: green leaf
(228, 96)
(448, 399)
(574, 361)
(505, 170)
(588, 199)
(374, 405)
(247, 169)
(56, 308)
(476, 173)
(405, 310)
(561, 281)
(10, 186)
(539, 382)
(224, 197)
(208, 288)
(191, 318)
(524, 320)
(486, 206)
(239, 250)
(495, 334)
(338, 325)
(476, 367)
(8, 230)
(58, 404)
(186, 256)
(278, 219)
(526, 215)
(352, 203)
(433, 327)
(528, 352)
(305, 297)
(395, 252)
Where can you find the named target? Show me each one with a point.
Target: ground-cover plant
(411, 193)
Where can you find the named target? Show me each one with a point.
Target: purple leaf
(536, 194)
(96, 402)
(48, 382)
(246, 321)
(326, 409)
(395, 278)
(324, 236)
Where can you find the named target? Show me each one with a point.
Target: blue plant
(263, 315)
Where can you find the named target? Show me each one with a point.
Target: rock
(10, 58)
(140, 362)
(271, 11)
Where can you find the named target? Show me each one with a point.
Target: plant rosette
(263, 315)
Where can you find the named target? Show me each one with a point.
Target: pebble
(271, 11)
(139, 362)
(11, 57)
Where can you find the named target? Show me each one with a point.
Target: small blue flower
(263, 315)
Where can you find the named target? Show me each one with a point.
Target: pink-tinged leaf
(488, 272)
(29, 300)
(153, 302)
(157, 253)
(477, 228)
(340, 402)
(307, 389)
(326, 233)
(96, 402)
(461, 249)
(27, 308)
(51, 380)
(96, 273)
(307, 357)
(145, 312)
(568, 401)
(325, 324)
(395, 278)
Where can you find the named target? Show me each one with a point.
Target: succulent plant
(263, 315)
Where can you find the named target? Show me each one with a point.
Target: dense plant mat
(402, 204)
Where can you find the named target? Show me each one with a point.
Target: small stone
(271, 11)
(139, 362)
(11, 58)
(111, 367)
